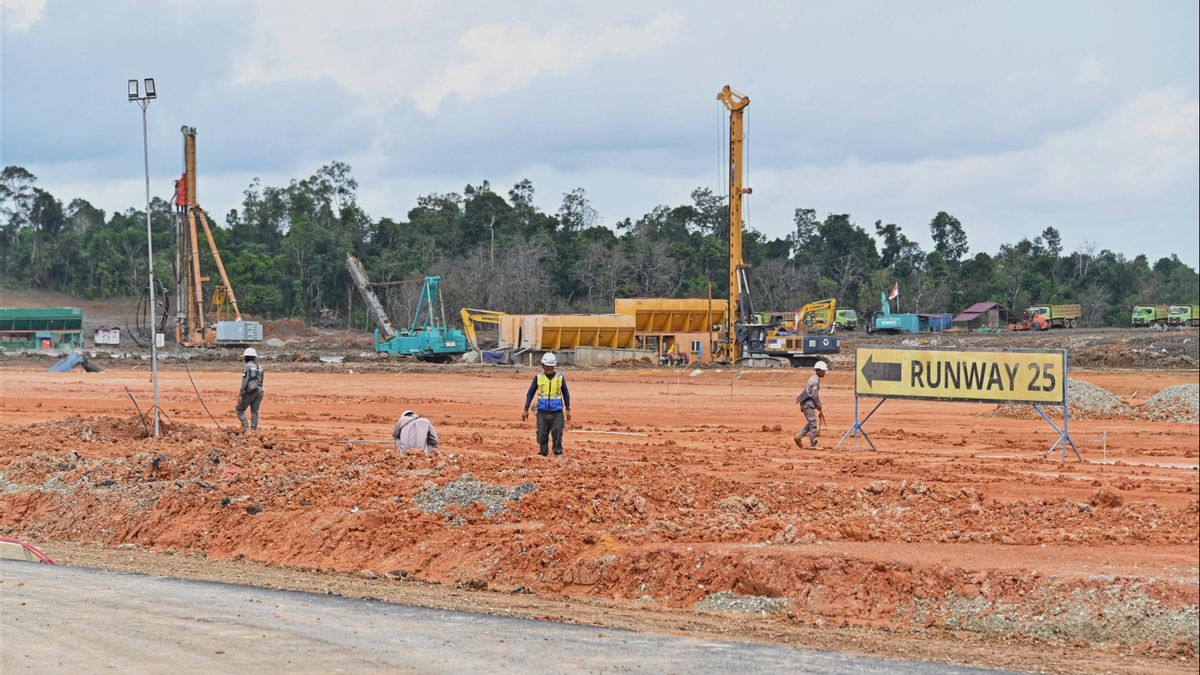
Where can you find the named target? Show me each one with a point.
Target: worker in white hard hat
(810, 405)
(553, 404)
(413, 432)
(251, 394)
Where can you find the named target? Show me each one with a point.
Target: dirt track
(674, 488)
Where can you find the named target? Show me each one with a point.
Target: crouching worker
(413, 432)
(251, 394)
(810, 405)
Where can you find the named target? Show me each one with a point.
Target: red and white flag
(895, 291)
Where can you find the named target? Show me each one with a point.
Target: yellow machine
(193, 325)
(817, 316)
(744, 339)
(470, 317)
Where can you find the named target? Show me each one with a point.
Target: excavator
(807, 336)
(194, 326)
(470, 317)
(746, 341)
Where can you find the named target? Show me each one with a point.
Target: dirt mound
(286, 329)
(114, 429)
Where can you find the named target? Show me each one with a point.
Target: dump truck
(1149, 315)
(1183, 315)
(1057, 316)
(846, 319)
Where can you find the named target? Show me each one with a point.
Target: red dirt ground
(673, 488)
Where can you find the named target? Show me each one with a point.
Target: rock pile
(466, 490)
(1179, 403)
(1087, 401)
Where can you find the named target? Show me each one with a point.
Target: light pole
(143, 101)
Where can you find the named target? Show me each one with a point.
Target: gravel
(1087, 401)
(1179, 403)
(467, 490)
(726, 601)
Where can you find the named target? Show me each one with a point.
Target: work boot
(815, 443)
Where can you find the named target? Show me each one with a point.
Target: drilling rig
(745, 339)
(748, 342)
(194, 321)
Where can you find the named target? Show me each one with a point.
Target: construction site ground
(682, 504)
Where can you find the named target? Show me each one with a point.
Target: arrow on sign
(887, 372)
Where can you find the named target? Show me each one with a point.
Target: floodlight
(150, 87)
(133, 90)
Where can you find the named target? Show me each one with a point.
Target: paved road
(66, 619)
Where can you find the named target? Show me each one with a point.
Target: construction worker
(553, 402)
(413, 432)
(810, 405)
(251, 394)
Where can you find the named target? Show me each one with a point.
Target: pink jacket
(415, 433)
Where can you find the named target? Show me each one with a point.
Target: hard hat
(821, 365)
(250, 351)
(408, 413)
(548, 359)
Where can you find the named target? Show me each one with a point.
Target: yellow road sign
(961, 375)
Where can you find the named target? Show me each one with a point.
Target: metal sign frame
(1064, 436)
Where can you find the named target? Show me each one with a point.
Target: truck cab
(846, 319)
(1142, 316)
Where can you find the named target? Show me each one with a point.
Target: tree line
(285, 247)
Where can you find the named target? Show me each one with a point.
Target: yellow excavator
(817, 316)
(470, 317)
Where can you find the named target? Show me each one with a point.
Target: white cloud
(506, 55)
(373, 51)
(1089, 71)
(386, 54)
(19, 15)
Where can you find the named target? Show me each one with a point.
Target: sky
(1012, 116)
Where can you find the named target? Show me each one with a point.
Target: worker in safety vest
(810, 405)
(553, 402)
(251, 394)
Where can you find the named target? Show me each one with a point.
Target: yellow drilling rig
(748, 342)
(195, 324)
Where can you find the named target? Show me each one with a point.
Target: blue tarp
(495, 356)
(67, 363)
(71, 360)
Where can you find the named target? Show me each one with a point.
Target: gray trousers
(550, 423)
(811, 428)
(251, 401)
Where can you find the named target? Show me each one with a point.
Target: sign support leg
(858, 426)
(1064, 438)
